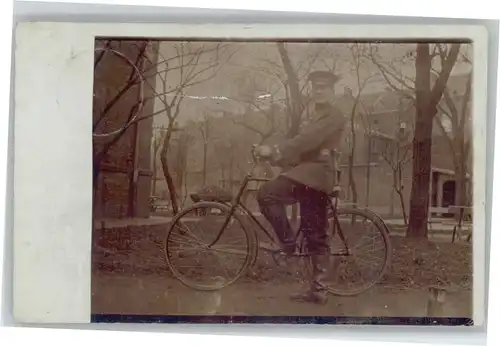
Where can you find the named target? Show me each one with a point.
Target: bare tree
(426, 96)
(188, 65)
(156, 144)
(106, 101)
(178, 158)
(204, 128)
(260, 110)
(295, 104)
(192, 64)
(397, 154)
(261, 113)
(357, 61)
(290, 77)
(225, 158)
(368, 114)
(121, 93)
(454, 110)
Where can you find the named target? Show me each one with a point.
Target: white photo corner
(60, 273)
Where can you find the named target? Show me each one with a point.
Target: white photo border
(53, 144)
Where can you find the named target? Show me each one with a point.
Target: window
(382, 147)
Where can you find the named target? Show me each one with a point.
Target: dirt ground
(155, 295)
(133, 278)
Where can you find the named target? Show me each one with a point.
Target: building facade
(382, 167)
(122, 189)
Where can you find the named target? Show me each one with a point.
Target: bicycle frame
(236, 204)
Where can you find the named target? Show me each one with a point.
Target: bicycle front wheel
(360, 251)
(364, 236)
(191, 258)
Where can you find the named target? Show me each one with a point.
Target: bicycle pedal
(269, 247)
(295, 253)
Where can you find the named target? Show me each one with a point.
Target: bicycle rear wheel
(189, 256)
(350, 229)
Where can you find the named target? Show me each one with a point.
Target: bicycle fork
(334, 205)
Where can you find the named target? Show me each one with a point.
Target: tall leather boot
(317, 292)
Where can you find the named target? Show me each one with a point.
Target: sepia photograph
(283, 181)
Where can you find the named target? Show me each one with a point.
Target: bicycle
(231, 212)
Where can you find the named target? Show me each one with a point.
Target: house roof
(388, 100)
(378, 102)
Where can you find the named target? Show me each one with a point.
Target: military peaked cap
(324, 76)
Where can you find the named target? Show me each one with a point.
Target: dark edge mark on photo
(423, 321)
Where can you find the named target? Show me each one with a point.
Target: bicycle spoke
(366, 242)
(185, 228)
(229, 251)
(227, 240)
(187, 266)
(194, 235)
(368, 263)
(357, 245)
(187, 240)
(373, 250)
(198, 269)
(222, 265)
(359, 270)
(185, 249)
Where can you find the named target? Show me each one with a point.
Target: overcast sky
(263, 59)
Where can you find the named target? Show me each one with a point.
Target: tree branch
(465, 102)
(447, 63)
(127, 86)
(101, 54)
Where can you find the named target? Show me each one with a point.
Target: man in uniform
(310, 179)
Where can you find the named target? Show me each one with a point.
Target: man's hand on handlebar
(262, 152)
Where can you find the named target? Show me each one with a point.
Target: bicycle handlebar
(255, 158)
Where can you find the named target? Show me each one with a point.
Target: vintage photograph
(267, 181)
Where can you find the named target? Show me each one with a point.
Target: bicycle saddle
(211, 194)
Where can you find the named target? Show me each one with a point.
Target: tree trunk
(185, 188)
(352, 181)
(166, 171)
(182, 168)
(155, 168)
(368, 171)
(460, 163)
(403, 207)
(231, 173)
(399, 191)
(391, 211)
(460, 184)
(181, 160)
(426, 102)
(205, 147)
(421, 176)
(295, 113)
(223, 176)
(153, 185)
(422, 142)
(397, 176)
